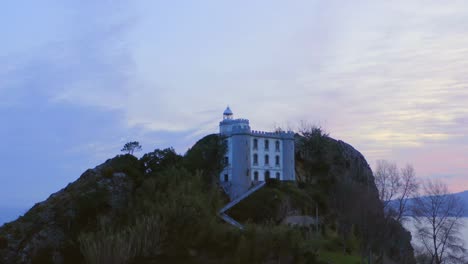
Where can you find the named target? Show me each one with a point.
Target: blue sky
(78, 79)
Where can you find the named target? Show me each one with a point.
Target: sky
(78, 79)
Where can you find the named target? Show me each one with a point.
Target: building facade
(254, 156)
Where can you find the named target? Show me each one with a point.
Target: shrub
(129, 165)
(260, 244)
(108, 172)
(3, 243)
(159, 160)
(43, 255)
(110, 245)
(207, 156)
(142, 239)
(88, 207)
(147, 236)
(106, 246)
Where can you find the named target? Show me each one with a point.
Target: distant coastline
(410, 226)
(463, 196)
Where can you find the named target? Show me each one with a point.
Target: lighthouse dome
(227, 112)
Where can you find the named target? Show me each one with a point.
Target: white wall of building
(261, 167)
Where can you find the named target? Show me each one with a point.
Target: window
(256, 176)
(226, 160)
(277, 160)
(247, 173)
(226, 178)
(267, 144)
(277, 175)
(267, 160)
(277, 146)
(255, 143)
(267, 175)
(255, 159)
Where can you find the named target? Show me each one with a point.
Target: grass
(338, 257)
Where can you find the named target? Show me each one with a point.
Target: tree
(159, 160)
(314, 141)
(387, 180)
(395, 188)
(207, 155)
(439, 218)
(408, 187)
(314, 148)
(131, 147)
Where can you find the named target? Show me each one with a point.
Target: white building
(254, 156)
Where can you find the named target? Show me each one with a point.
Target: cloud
(384, 76)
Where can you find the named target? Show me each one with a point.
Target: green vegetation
(280, 198)
(336, 257)
(163, 208)
(180, 198)
(131, 147)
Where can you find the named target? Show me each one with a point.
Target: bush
(147, 236)
(3, 243)
(273, 203)
(207, 156)
(260, 244)
(272, 182)
(129, 165)
(106, 246)
(160, 160)
(88, 207)
(142, 239)
(43, 255)
(108, 172)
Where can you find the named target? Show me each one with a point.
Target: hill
(463, 196)
(163, 208)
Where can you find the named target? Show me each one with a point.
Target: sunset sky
(78, 79)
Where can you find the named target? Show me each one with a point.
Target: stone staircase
(231, 221)
(228, 206)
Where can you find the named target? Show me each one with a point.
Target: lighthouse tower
(236, 133)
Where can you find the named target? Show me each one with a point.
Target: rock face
(49, 229)
(332, 159)
(352, 196)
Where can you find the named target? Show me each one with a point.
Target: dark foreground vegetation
(163, 208)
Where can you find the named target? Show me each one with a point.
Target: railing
(264, 133)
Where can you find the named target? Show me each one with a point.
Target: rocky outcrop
(343, 173)
(327, 171)
(325, 158)
(49, 230)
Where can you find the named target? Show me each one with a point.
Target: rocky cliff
(144, 211)
(349, 195)
(48, 231)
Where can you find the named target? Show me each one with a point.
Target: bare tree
(395, 187)
(387, 180)
(408, 187)
(439, 221)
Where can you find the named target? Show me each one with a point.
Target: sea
(411, 226)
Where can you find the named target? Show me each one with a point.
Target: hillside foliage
(162, 208)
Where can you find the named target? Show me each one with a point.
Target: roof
(227, 111)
